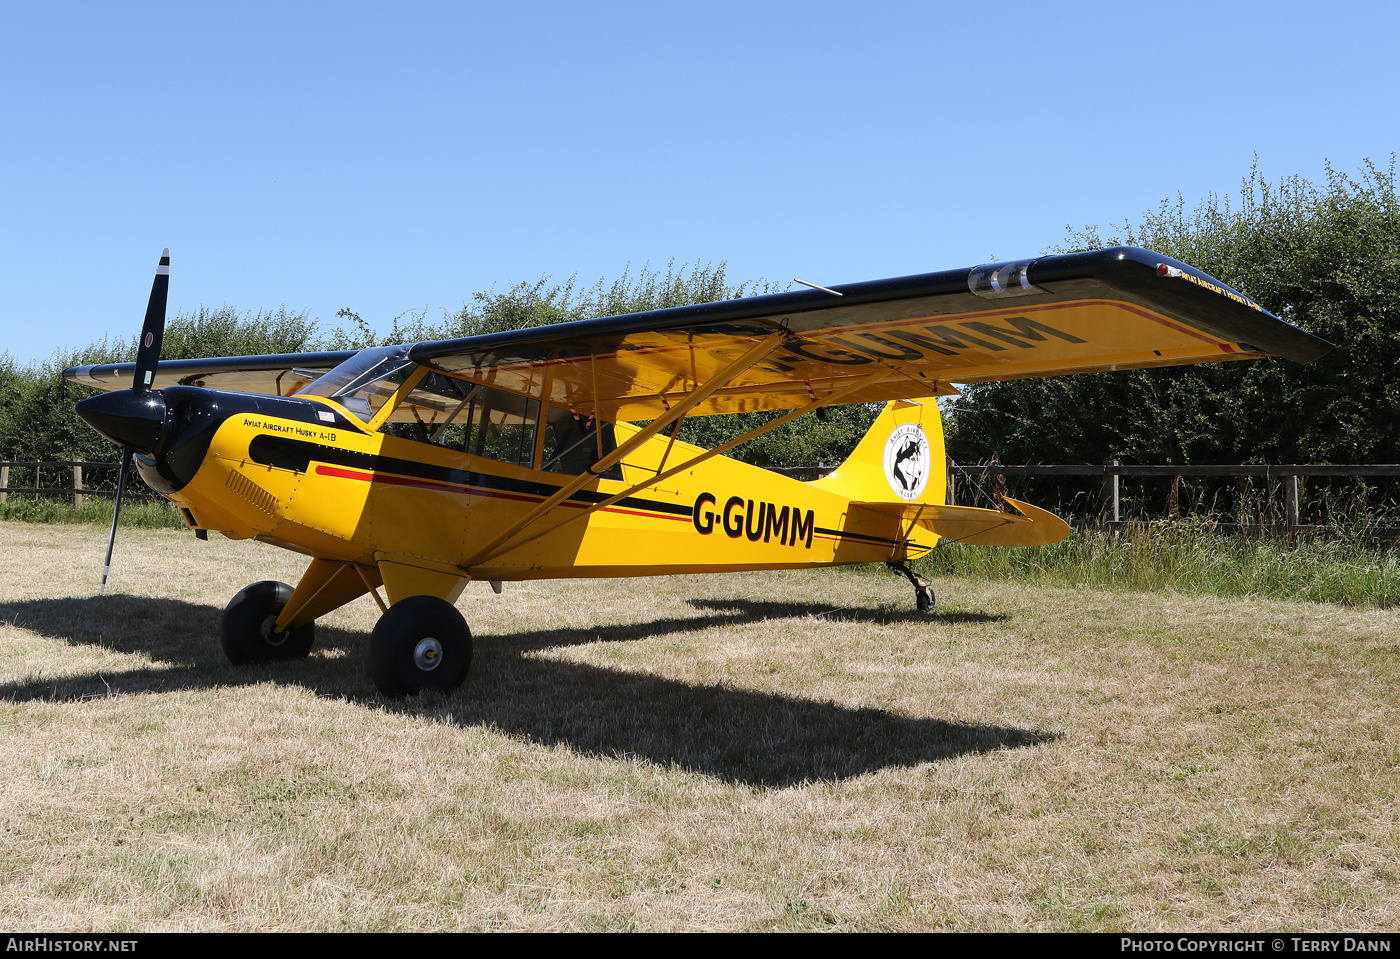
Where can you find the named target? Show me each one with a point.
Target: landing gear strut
(923, 592)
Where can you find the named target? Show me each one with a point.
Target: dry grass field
(784, 751)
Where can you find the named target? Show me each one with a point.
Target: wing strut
(694, 399)
(757, 431)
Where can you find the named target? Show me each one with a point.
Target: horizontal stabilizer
(979, 527)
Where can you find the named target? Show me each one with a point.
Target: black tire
(924, 598)
(247, 635)
(421, 643)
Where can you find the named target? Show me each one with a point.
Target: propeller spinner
(134, 418)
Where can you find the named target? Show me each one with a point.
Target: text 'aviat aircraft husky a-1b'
(551, 452)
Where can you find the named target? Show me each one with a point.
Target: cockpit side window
(460, 415)
(433, 411)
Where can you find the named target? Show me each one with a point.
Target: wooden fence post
(77, 484)
(1110, 492)
(952, 489)
(4, 482)
(1290, 501)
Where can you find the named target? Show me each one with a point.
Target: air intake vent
(253, 493)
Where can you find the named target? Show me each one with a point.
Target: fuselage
(303, 474)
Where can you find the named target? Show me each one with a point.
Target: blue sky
(388, 157)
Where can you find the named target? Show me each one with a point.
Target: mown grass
(1347, 568)
(779, 751)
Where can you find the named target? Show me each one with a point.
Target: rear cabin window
(573, 443)
(501, 426)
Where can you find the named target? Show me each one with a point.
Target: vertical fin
(900, 459)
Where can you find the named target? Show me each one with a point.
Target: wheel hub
(270, 634)
(427, 655)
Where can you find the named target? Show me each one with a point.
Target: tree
(1323, 256)
(545, 302)
(36, 404)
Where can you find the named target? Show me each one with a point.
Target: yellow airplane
(551, 452)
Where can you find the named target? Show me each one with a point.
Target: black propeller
(153, 329)
(133, 420)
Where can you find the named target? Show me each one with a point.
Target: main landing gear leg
(923, 592)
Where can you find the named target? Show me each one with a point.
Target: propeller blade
(116, 511)
(153, 330)
(147, 356)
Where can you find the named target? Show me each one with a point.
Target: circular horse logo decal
(907, 460)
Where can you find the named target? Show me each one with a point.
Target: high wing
(1121, 308)
(912, 336)
(273, 374)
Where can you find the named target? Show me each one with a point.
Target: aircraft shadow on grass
(732, 734)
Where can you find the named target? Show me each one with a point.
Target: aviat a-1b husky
(523, 455)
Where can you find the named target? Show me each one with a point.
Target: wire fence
(77, 479)
(1289, 499)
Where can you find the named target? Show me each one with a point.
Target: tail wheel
(924, 598)
(248, 634)
(421, 643)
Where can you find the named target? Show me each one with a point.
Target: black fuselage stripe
(297, 455)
